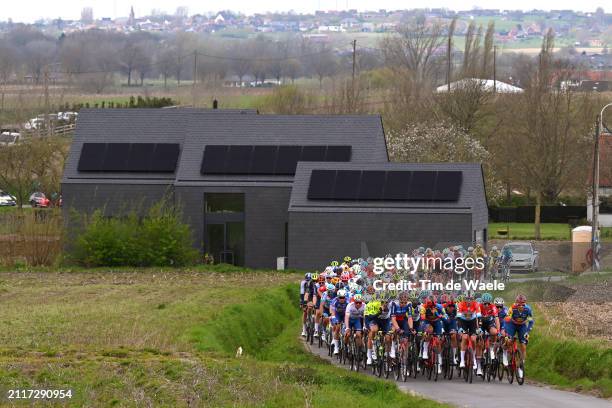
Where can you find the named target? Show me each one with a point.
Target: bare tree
(132, 56)
(39, 53)
(487, 52)
(550, 134)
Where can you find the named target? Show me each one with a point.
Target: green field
(168, 338)
(548, 231)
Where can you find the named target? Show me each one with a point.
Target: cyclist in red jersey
(468, 312)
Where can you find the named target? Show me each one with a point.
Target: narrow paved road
(479, 394)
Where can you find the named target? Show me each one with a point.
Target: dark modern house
(254, 188)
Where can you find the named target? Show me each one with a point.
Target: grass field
(168, 338)
(548, 231)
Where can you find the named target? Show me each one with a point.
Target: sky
(31, 10)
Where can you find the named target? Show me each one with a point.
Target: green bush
(158, 239)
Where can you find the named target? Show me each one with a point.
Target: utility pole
(354, 42)
(595, 203)
(448, 58)
(46, 88)
(195, 76)
(495, 69)
(595, 197)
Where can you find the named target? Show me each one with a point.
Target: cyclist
(432, 314)
(377, 317)
(519, 321)
(401, 318)
(338, 310)
(490, 324)
(506, 258)
(450, 323)
(479, 252)
(322, 288)
(502, 312)
(323, 311)
(353, 319)
(308, 290)
(494, 256)
(468, 313)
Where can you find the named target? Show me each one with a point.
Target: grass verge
(561, 351)
(166, 338)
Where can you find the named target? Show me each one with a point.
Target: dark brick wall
(113, 198)
(315, 239)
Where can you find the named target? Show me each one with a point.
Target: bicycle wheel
(520, 369)
(415, 360)
(520, 379)
(511, 367)
(397, 364)
(406, 363)
(436, 365)
(500, 366)
(320, 336)
(451, 365)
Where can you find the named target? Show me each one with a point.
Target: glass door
(224, 218)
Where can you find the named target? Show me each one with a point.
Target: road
(479, 394)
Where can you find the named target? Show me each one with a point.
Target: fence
(561, 214)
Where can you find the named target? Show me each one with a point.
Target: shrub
(159, 238)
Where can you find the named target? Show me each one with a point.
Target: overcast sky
(31, 10)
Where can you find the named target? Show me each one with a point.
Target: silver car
(524, 256)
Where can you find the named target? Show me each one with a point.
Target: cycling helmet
(321, 278)
(329, 270)
(370, 289)
(330, 287)
(335, 280)
(469, 296)
(460, 298)
(487, 298)
(358, 298)
(430, 302)
(314, 276)
(477, 295)
(308, 276)
(478, 245)
(322, 289)
(470, 249)
(494, 248)
(478, 300)
(345, 277)
(499, 301)
(342, 293)
(521, 299)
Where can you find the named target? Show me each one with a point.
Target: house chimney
(215, 104)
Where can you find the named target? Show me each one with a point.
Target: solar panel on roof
(214, 159)
(239, 159)
(338, 153)
(321, 184)
(141, 157)
(422, 185)
(287, 159)
(165, 157)
(372, 185)
(448, 186)
(116, 157)
(397, 185)
(313, 153)
(92, 157)
(347, 185)
(264, 160)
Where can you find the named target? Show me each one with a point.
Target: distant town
(516, 28)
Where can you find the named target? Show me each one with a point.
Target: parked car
(39, 200)
(6, 199)
(9, 138)
(524, 256)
